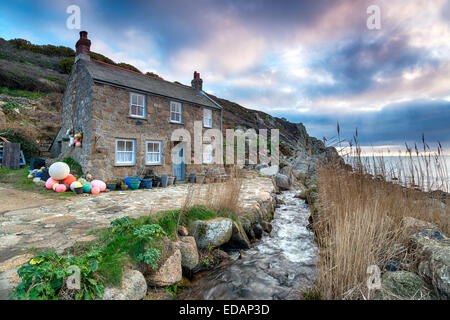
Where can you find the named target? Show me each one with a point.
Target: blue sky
(314, 61)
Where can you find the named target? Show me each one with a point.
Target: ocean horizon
(400, 167)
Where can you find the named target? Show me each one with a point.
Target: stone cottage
(127, 120)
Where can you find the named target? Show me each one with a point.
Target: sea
(406, 169)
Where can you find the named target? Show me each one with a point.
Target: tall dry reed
(218, 197)
(224, 196)
(361, 216)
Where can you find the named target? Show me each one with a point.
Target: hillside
(32, 80)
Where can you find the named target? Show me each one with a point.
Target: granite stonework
(102, 113)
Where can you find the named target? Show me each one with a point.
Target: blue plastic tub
(131, 180)
(146, 183)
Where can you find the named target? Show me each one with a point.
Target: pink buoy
(49, 183)
(100, 184)
(60, 188)
(95, 190)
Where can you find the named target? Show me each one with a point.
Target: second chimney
(83, 47)
(197, 82)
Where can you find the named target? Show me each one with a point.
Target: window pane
(140, 100)
(120, 145)
(129, 146)
(133, 99)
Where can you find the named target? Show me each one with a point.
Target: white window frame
(207, 158)
(143, 115)
(127, 163)
(174, 112)
(147, 142)
(207, 122)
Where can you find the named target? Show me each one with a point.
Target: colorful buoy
(60, 188)
(59, 170)
(87, 186)
(95, 190)
(49, 183)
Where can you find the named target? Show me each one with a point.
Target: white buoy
(59, 170)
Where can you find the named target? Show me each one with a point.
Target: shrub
(75, 167)
(126, 239)
(100, 57)
(128, 66)
(49, 50)
(66, 64)
(44, 275)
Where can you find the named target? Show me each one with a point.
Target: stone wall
(111, 120)
(76, 115)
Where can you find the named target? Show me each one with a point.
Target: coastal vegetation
(362, 213)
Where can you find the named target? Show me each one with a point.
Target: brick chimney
(197, 82)
(83, 47)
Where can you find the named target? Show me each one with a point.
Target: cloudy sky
(313, 61)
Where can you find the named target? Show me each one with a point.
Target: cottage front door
(178, 168)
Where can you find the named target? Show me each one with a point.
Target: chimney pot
(197, 82)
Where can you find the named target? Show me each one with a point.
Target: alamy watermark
(374, 19)
(240, 145)
(74, 19)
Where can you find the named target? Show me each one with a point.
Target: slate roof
(110, 74)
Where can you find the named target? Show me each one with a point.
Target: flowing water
(280, 266)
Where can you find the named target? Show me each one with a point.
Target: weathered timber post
(11, 155)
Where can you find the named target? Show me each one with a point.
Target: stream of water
(280, 266)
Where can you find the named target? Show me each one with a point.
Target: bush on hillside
(66, 64)
(100, 57)
(48, 49)
(128, 66)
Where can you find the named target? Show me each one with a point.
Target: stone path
(59, 226)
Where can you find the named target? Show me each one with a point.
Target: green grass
(228, 214)
(199, 213)
(17, 178)
(168, 219)
(21, 93)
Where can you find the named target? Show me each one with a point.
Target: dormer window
(137, 105)
(176, 112)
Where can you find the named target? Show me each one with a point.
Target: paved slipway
(61, 224)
